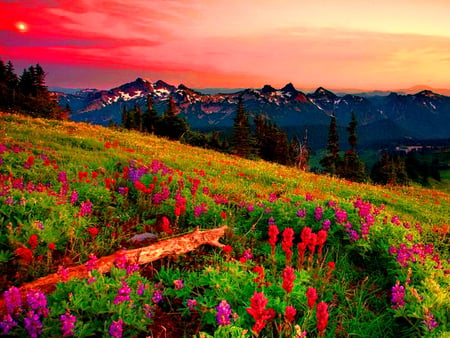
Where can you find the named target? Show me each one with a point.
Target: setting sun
(21, 27)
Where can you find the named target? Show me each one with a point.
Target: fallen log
(164, 248)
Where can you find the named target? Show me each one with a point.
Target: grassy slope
(82, 147)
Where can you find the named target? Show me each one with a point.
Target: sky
(363, 44)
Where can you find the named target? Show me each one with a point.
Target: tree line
(27, 93)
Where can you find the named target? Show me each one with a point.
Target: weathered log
(164, 248)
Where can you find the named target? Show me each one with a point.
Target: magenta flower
(7, 324)
(68, 324)
(223, 313)
(116, 329)
(33, 324)
(398, 293)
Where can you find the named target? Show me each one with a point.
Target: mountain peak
(268, 89)
(289, 88)
(324, 92)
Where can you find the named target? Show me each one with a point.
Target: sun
(22, 27)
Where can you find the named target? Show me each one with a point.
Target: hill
(303, 252)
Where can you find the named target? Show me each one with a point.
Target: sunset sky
(363, 44)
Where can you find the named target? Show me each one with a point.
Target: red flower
(311, 294)
(331, 266)
(223, 214)
(306, 235)
(165, 225)
(227, 249)
(93, 231)
(320, 240)
(288, 241)
(273, 234)
(260, 278)
(51, 246)
(94, 174)
(301, 248)
(33, 241)
(288, 279)
(25, 254)
(289, 313)
(258, 311)
(322, 318)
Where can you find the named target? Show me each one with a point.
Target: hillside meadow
(303, 255)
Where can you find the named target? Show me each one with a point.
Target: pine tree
(332, 160)
(124, 119)
(171, 125)
(390, 170)
(353, 168)
(150, 118)
(241, 142)
(281, 154)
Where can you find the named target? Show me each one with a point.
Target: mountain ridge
(422, 115)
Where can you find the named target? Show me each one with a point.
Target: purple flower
(318, 213)
(223, 313)
(123, 294)
(33, 324)
(398, 293)
(74, 197)
(141, 289)
(157, 296)
(429, 321)
(271, 221)
(86, 208)
(326, 224)
(62, 177)
(7, 323)
(68, 324)
(115, 329)
(301, 213)
(37, 302)
(123, 190)
(341, 215)
(13, 300)
(121, 261)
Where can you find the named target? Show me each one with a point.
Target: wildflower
(311, 294)
(398, 293)
(13, 300)
(286, 244)
(68, 324)
(429, 321)
(33, 324)
(165, 225)
(157, 296)
(301, 248)
(115, 329)
(93, 231)
(322, 318)
(301, 213)
(74, 197)
(85, 208)
(223, 214)
(331, 267)
(7, 324)
(62, 177)
(320, 241)
(191, 303)
(37, 302)
(223, 313)
(91, 280)
(318, 213)
(39, 225)
(62, 273)
(289, 313)
(326, 224)
(273, 234)
(91, 264)
(258, 311)
(148, 311)
(288, 279)
(227, 249)
(123, 294)
(260, 279)
(123, 190)
(51, 246)
(141, 288)
(33, 241)
(121, 261)
(341, 216)
(178, 283)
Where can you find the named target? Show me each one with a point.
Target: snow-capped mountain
(424, 115)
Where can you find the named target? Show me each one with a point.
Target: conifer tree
(332, 160)
(353, 168)
(241, 142)
(171, 125)
(150, 117)
(125, 118)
